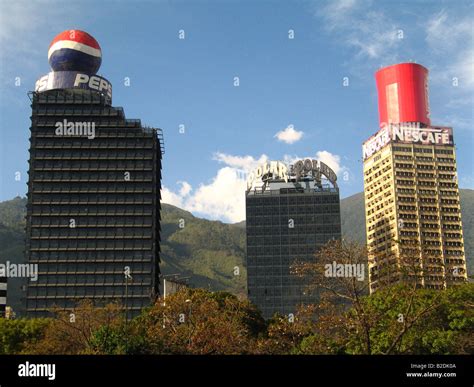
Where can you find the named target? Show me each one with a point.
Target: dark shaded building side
(3, 295)
(93, 205)
(273, 246)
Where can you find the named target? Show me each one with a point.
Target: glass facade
(3, 295)
(93, 205)
(286, 223)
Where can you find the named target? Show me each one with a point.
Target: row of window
(422, 150)
(74, 233)
(85, 143)
(91, 175)
(92, 154)
(91, 186)
(92, 222)
(62, 301)
(292, 222)
(102, 256)
(291, 200)
(38, 244)
(90, 273)
(78, 110)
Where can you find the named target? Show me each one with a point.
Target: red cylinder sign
(403, 94)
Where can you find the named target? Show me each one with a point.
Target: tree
(196, 321)
(336, 286)
(16, 336)
(440, 322)
(285, 333)
(71, 332)
(360, 323)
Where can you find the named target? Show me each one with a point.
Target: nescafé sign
(407, 134)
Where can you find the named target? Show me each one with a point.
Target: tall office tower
(3, 295)
(411, 189)
(94, 189)
(291, 212)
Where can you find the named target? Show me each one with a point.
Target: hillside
(206, 251)
(353, 217)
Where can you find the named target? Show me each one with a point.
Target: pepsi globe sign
(75, 50)
(75, 56)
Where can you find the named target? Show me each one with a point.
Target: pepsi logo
(75, 50)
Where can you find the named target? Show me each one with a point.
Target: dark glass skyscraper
(93, 198)
(288, 218)
(3, 295)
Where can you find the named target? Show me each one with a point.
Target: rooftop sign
(407, 134)
(301, 170)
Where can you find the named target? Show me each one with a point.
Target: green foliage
(12, 213)
(353, 217)
(17, 336)
(196, 321)
(448, 320)
(207, 251)
(108, 340)
(119, 340)
(436, 322)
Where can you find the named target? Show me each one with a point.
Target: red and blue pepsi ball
(75, 50)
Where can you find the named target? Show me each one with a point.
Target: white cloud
(169, 197)
(443, 32)
(371, 33)
(223, 198)
(451, 37)
(289, 135)
(290, 159)
(458, 122)
(330, 159)
(26, 29)
(244, 163)
(335, 12)
(185, 188)
(462, 68)
(18, 22)
(22, 35)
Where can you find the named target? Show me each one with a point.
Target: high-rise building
(411, 187)
(291, 212)
(93, 207)
(3, 295)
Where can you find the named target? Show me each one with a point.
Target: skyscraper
(93, 207)
(289, 214)
(3, 295)
(411, 187)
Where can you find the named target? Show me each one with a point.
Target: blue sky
(289, 86)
